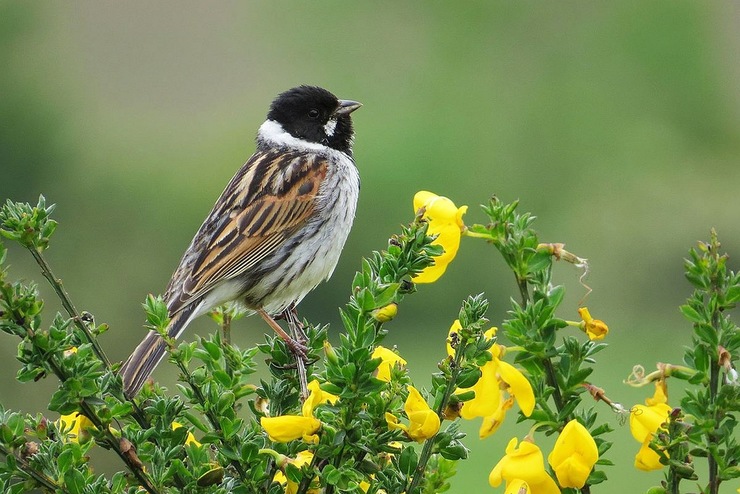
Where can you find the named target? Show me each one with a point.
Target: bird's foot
(296, 344)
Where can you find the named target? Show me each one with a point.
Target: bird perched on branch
(275, 232)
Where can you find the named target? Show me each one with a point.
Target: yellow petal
(524, 463)
(80, 427)
(574, 455)
(288, 428)
(487, 393)
(594, 328)
(424, 422)
(316, 397)
(190, 438)
(519, 386)
(647, 459)
(493, 422)
(423, 197)
(445, 221)
(660, 395)
(517, 486)
(395, 424)
(496, 476)
(385, 313)
(389, 359)
(646, 420)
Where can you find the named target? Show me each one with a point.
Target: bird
(276, 231)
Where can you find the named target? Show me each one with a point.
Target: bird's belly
(310, 256)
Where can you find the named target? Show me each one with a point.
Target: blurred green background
(615, 123)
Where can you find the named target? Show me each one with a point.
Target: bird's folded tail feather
(150, 352)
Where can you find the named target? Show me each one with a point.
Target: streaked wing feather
(270, 198)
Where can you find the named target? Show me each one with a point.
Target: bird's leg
(291, 315)
(296, 346)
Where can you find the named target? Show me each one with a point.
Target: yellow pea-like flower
(594, 328)
(645, 420)
(423, 421)
(286, 428)
(389, 360)
(574, 455)
(523, 464)
(445, 221)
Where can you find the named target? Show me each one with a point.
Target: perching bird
(277, 229)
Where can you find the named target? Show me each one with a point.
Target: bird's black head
(314, 114)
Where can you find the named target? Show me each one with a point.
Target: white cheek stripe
(330, 126)
(273, 132)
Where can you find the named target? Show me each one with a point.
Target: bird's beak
(347, 106)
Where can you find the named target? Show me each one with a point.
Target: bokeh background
(617, 124)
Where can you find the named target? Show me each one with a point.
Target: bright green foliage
(208, 436)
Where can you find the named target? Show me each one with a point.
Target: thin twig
(39, 477)
(68, 305)
(426, 452)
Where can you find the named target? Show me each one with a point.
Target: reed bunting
(277, 229)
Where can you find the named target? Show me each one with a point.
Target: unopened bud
(331, 354)
(386, 313)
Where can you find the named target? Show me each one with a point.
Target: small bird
(277, 229)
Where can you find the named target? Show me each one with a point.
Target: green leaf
(386, 295)
(74, 481)
(707, 334)
(691, 314)
(408, 460)
(16, 424)
(541, 260)
(65, 461)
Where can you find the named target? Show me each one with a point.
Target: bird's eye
(313, 113)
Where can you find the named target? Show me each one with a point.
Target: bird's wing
(270, 197)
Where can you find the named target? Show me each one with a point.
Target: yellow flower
(574, 455)
(523, 467)
(423, 421)
(499, 385)
(445, 221)
(302, 458)
(389, 360)
(645, 420)
(385, 313)
(190, 438)
(594, 328)
(79, 427)
(286, 428)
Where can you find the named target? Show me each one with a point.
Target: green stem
(714, 479)
(212, 418)
(426, 452)
(673, 480)
(552, 380)
(39, 477)
(226, 332)
(523, 289)
(113, 443)
(56, 283)
(226, 326)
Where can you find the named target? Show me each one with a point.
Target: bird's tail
(145, 358)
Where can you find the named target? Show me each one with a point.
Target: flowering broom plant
(365, 426)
